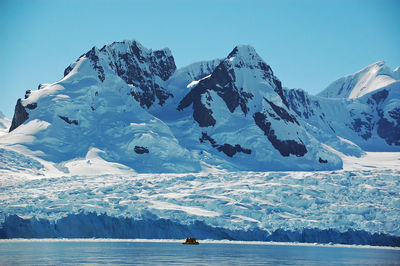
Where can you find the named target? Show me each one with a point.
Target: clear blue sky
(308, 43)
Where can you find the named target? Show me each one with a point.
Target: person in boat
(191, 241)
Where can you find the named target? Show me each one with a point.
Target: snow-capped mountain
(368, 79)
(134, 105)
(98, 104)
(371, 119)
(240, 111)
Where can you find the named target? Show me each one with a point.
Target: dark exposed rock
(205, 136)
(27, 94)
(67, 70)
(232, 150)
(278, 89)
(20, 116)
(222, 81)
(380, 96)
(320, 160)
(299, 101)
(364, 128)
(282, 113)
(389, 131)
(228, 149)
(94, 58)
(66, 119)
(141, 150)
(285, 147)
(31, 106)
(201, 114)
(140, 69)
(395, 114)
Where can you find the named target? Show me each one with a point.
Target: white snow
(369, 79)
(93, 164)
(195, 82)
(5, 124)
(372, 160)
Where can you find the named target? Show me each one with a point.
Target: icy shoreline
(204, 241)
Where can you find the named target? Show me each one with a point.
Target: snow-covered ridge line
(367, 80)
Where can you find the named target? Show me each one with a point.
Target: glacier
(358, 205)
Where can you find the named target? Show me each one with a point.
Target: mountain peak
(124, 45)
(244, 53)
(144, 70)
(244, 49)
(364, 81)
(132, 46)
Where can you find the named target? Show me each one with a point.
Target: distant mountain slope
(369, 79)
(5, 123)
(371, 121)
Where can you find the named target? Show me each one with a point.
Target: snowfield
(364, 196)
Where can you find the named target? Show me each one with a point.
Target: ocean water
(49, 252)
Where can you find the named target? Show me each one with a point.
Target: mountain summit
(130, 105)
(369, 79)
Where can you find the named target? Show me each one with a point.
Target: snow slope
(5, 124)
(369, 79)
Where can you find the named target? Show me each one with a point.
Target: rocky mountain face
(363, 108)
(135, 106)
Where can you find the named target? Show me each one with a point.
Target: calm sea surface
(156, 253)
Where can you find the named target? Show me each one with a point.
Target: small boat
(190, 241)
